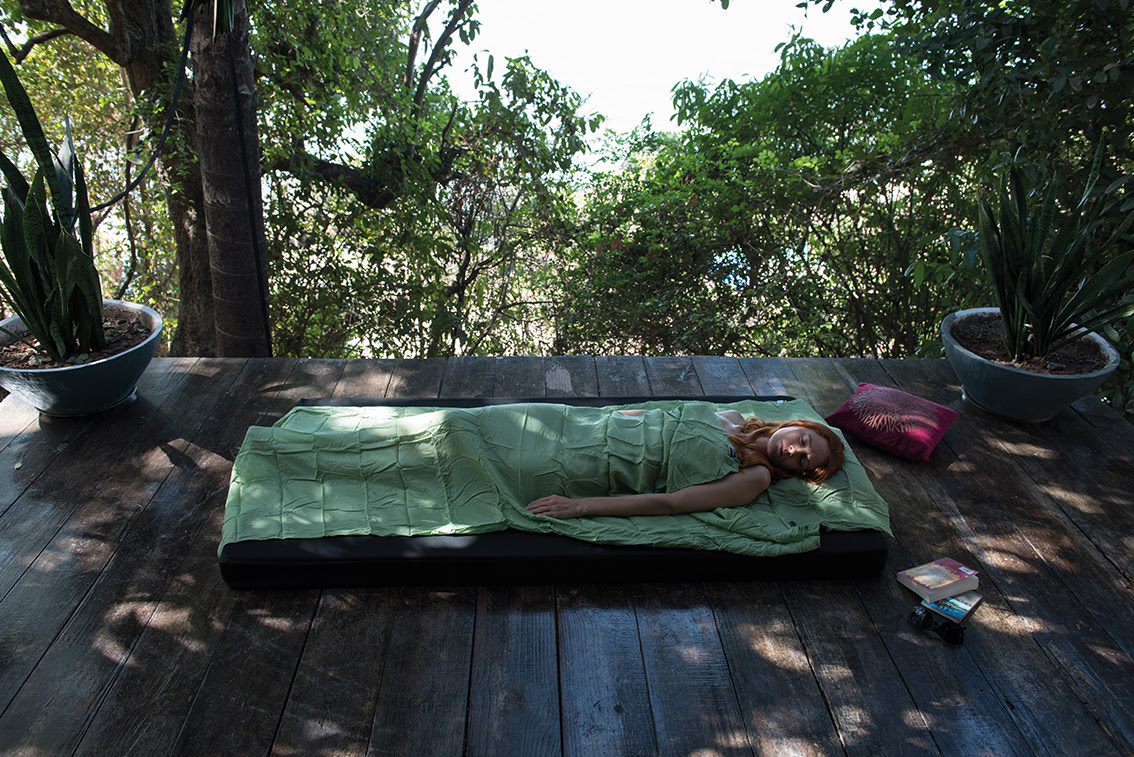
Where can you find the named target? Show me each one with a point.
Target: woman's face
(798, 449)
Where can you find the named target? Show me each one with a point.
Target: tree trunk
(226, 116)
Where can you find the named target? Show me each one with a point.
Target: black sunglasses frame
(946, 630)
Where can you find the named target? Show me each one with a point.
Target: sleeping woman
(453, 471)
(766, 452)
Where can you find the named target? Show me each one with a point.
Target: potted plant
(49, 280)
(1039, 261)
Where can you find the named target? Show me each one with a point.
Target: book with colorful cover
(958, 607)
(939, 579)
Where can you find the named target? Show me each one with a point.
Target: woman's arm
(733, 490)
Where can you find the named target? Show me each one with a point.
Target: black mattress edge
(515, 557)
(716, 399)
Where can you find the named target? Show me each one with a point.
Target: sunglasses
(948, 630)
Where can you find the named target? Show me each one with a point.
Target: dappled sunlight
(266, 617)
(1084, 504)
(558, 380)
(854, 719)
(1026, 449)
(832, 671)
(770, 640)
(962, 467)
(694, 655)
(111, 648)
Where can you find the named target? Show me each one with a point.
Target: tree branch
(370, 193)
(19, 53)
(456, 21)
(61, 13)
(419, 26)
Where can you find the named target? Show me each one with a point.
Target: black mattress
(515, 557)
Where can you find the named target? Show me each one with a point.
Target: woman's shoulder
(731, 420)
(758, 475)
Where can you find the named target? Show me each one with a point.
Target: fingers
(552, 506)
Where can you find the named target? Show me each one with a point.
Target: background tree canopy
(804, 213)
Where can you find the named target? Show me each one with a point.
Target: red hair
(747, 453)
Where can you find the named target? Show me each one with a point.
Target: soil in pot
(121, 335)
(983, 335)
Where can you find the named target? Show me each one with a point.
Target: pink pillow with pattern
(893, 420)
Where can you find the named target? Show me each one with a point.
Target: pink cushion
(893, 420)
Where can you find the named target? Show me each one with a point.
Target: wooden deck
(117, 635)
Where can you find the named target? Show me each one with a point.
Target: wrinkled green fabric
(327, 471)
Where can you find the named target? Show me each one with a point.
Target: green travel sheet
(407, 471)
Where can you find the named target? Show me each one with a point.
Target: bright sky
(625, 56)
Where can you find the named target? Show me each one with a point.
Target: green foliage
(800, 214)
(452, 262)
(48, 274)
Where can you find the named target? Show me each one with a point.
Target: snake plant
(47, 272)
(1040, 263)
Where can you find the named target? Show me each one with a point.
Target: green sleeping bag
(407, 471)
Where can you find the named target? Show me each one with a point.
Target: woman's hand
(557, 506)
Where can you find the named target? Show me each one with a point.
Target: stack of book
(945, 586)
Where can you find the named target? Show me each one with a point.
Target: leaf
(29, 122)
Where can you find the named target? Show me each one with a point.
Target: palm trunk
(230, 171)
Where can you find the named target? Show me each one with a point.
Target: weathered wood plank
(770, 376)
(950, 692)
(32, 513)
(333, 697)
(622, 376)
(16, 418)
(469, 377)
(721, 376)
(776, 689)
(416, 713)
(605, 693)
(1086, 476)
(62, 531)
(417, 378)
(973, 488)
(571, 376)
(245, 673)
(366, 378)
(874, 711)
(29, 448)
(1028, 550)
(514, 691)
(122, 600)
(520, 377)
(960, 705)
(691, 690)
(422, 705)
(163, 672)
(673, 376)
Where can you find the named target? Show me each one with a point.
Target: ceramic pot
(1012, 392)
(90, 387)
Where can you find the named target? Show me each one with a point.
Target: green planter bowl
(1012, 392)
(91, 387)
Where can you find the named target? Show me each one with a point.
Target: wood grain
(118, 636)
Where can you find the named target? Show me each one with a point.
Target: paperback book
(939, 579)
(957, 608)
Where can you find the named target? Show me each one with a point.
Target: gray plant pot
(1015, 393)
(91, 387)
